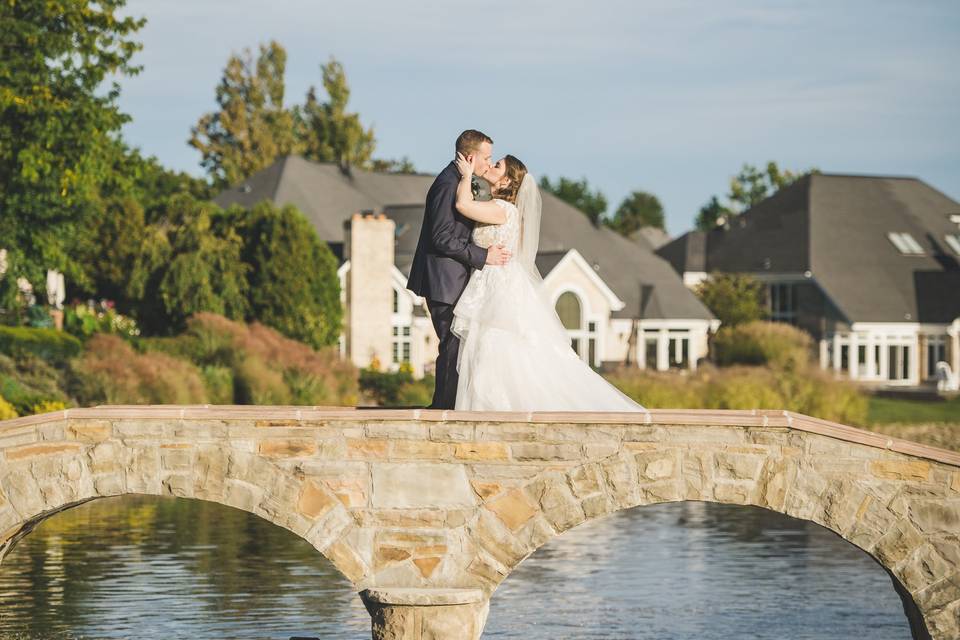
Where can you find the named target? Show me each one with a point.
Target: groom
(446, 255)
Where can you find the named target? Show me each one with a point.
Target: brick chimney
(369, 246)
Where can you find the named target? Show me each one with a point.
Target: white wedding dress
(515, 354)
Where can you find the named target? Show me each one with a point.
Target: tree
(251, 128)
(58, 123)
(294, 286)
(752, 185)
(328, 132)
(577, 193)
(639, 209)
(712, 214)
(733, 298)
(392, 165)
(747, 188)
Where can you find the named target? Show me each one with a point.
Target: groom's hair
(470, 140)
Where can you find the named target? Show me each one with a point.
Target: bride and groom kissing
(502, 345)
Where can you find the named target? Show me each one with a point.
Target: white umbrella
(56, 289)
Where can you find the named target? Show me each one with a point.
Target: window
(780, 299)
(401, 344)
(936, 351)
(583, 335)
(898, 362)
(568, 308)
(954, 242)
(905, 244)
(678, 351)
(396, 301)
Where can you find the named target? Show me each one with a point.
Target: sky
(666, 96)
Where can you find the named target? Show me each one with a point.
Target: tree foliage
(639, 209)
(57, 124)
(328, 131)
(578, 194)
(294, 286)
(392, 165)
(733, 298)
(749, 187)
(251, 127)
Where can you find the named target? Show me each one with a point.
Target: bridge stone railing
(426, 512)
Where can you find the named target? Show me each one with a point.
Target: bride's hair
(516, 170)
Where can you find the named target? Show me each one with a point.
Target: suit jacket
(445, 252)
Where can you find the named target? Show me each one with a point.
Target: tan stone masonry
(424, 510)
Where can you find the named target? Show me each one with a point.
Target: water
(166, 568)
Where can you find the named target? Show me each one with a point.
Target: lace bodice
(507, 234)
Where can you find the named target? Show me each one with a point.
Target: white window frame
(905, 243)
(583, 334)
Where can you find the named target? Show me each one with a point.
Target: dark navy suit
(441, 268)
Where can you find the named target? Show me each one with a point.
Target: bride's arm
(488, 212)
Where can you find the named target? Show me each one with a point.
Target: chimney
(368, 245)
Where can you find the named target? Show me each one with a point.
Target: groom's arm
(443, 230)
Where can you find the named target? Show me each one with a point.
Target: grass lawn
(891, 410)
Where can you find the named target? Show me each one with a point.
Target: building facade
(620, 302)
(868, 265)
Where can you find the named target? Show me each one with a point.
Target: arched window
(569, 310)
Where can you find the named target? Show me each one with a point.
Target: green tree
(733, 298)
(392, 165)
(712, 214)
(329, 133)
(251, 127)
(57, 125)
(639, 209)
(294, 286)
(578, 194)
(752, 185)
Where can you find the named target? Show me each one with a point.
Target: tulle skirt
(515, 354)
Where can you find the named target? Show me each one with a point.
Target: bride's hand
(464, 166)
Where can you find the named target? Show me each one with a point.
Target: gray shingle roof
(836, 227)
(328, 196)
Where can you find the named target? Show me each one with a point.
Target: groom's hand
(498, 255)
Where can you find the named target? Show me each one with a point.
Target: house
(620, 302)
(868, 265)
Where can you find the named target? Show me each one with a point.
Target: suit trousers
(445, 392)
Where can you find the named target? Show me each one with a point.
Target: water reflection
(150, 567)
(166, 568)
(698, 570)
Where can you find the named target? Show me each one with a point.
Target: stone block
(513, 509)
(936, 516)
(657, 465)
(89, 430)
(287, 448)
(418, 450)
(481, 451)
(535, 451)
(898, 543)
(30, 451)
(358, 449)
(315, 500)
(420, 485)
(737, 466)
(900, 469)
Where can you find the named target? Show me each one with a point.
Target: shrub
(6, 410)
(804, 390)
(763, 343)
(110, 371)
(47, 406)
(49, 344)
(85, 319)
(28, 380)
(733, 298)
(258, 364)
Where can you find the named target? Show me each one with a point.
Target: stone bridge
(426, 512)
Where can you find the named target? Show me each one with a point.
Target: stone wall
(424, 510)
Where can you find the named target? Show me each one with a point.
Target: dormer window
(905, 244)
(954, 242)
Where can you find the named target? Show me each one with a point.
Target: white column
(853, 359)
(872, 363)
(663, 350)
(836, 353)
(823, 353)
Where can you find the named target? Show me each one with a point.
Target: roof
(328, 196)
(836, 226)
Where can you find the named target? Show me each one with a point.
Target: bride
(515, 354)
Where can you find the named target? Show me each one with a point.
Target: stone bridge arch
(427, 512)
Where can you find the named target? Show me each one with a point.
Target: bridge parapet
(448, 503)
